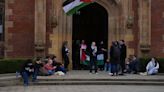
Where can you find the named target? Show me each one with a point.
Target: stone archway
(63, 32)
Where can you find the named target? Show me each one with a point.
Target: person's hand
(31, 70)
(54, 67)
(103, 49)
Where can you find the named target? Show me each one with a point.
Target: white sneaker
(144, 74)
(110, 73)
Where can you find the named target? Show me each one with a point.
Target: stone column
(145, 25)
(8, 24)
(62, 32)
(40, 27)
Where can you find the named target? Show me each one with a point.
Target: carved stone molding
(145, 24)
(40, 25)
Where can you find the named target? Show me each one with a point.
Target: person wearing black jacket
(26, 71)
(59, 66)
(114, 57)
(93, 57)
(122, 55)
(38, 64)
(65, 53)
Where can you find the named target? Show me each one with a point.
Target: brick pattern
(21, 27)
(157, 28)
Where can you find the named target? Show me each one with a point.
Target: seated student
(50, 69)
(38, 64)
(134, 65)
(26, 71)
(127, 67)
(152, 67)
(59, 66)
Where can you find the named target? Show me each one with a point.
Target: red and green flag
(72, 6)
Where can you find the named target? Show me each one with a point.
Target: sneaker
(144, 74)
(110, 73)
(121, 74)
(96, 73)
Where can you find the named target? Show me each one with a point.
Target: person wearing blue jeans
(114, 57)
(114, 69)
(107, 66)
(25, 76)
(38, 64)
(26, 71)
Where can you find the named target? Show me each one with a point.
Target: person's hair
(122, 40)
(135, 56)
(38, 58)
(65, 43)
(156, 61)
(47, 57)
(53, 57)
(29, 60)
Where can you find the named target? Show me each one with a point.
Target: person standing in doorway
(83, 48)
(93, 57)
(122, 55)
(65, 53)
(101, 56)
(83, 56)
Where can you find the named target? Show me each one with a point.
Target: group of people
(47, 66)
(118, 63)
(93, 53)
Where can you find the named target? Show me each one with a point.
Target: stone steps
(18, 81)
(81, 81)
(113, 82)
(149, 80)
(84, 78)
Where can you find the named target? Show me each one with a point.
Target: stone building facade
(39, 27)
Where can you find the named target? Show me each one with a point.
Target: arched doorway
(64, 30)
(90, 24)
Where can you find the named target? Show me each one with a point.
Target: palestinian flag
(72, 6)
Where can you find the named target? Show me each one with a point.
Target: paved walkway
(100, 75)
(85, 75)
(82, 88)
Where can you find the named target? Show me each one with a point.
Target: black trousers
(93, 63)
(122, 64)
(66, 62)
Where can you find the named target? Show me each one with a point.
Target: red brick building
(38, 27)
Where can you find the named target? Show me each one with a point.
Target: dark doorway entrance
(90, 24)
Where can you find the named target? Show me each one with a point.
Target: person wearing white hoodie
(152, 67)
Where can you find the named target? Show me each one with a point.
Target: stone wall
(157, 28)
(19, 28)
